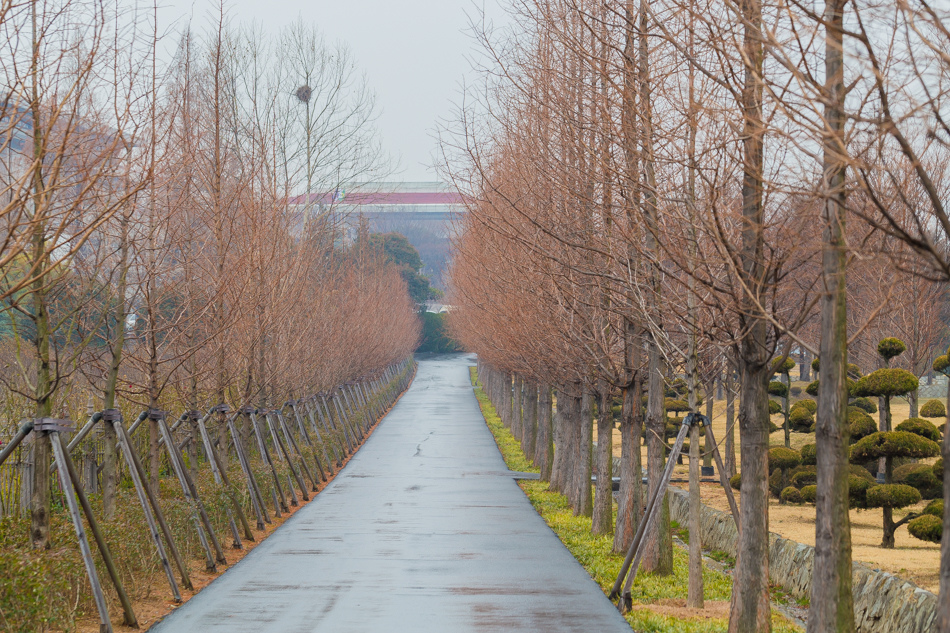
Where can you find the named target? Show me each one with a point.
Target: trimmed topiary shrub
(938, 469)
(808, 404)
(921, 477)
(780, 366)
(800, 419)
(892, 496)
(809, 493)
(778, 389)
(791, 495)
(815, 365)
(933, 409)
(812, 388)
(890, 444)
(736, 481)
(887, 382)
(858, 487)
(935, 508)
(774, 407)
(806, 476)
(921, 427)
(784, 458)
(866, 404)
(781, 459)
(809, 454)
(890, 348)
(862, 472)
(773, 427)
(677, 406)
(926, 528)
(860, 424)
(854, 372)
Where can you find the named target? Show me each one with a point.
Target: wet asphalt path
(422, 531)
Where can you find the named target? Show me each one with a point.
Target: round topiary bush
(921, 427)
(812, 388)
(886, 382)
(774, 407)
(942, 364)
(853, 371)
(921, 477)
(815, 365)
(800, 419)
(791, 495)
(736, 481)
(890, 347)
(935, 508)
(778, 389)
(777, 483)
(677, 406)
(892, 496)
(892, 444)
(806, 476)
(938, 469)
(809, 454)
(809, 493)
(780, 366)
(858, 489)
(773, 427)
(933, 409)
(926, 528)
(784, 458)
(866, 404)
(860, 424)
(808, 404)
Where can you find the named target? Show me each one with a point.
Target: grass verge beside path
(659, 601)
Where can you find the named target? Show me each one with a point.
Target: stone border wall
(883, 602)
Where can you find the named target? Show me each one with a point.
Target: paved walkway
(422, 531)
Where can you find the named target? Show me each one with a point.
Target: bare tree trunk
(658, 552)
(603, 520)
(544, 446)
(629, 506)
(730, 461)
(832, 607)
(558, 464)
(943, 602)
(750, 610)
(582, 469)
(694, 595)
(530, 418)
(516, 421)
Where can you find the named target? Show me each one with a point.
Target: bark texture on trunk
(832, 605)
(582, 472)
(630, 501)
(544, 447)
(943, 602)
(658, 549)
(603, 519)
(694, 592)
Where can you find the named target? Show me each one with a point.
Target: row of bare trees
(149, 257)
(698, 188)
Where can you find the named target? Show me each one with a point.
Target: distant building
(424, 212)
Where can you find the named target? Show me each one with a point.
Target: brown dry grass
(912, 559)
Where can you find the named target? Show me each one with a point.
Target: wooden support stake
(256, 501)
(273, 469)
(132, 459)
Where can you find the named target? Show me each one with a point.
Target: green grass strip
(595, 555)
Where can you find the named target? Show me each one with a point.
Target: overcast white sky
(414, 53)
